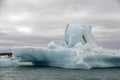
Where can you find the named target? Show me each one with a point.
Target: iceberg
(78, 51)
(5, 61)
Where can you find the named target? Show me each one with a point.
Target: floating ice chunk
(79, 52)
(7, 62)
(74, 58)
(52, 45)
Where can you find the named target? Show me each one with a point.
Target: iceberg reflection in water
(79, 51)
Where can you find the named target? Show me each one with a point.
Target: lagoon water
(49, 73)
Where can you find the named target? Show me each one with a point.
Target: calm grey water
(48, 73)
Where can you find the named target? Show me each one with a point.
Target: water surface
(49, 73)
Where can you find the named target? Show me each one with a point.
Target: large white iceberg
(79, 51)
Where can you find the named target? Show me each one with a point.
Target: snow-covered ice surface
(79, 51)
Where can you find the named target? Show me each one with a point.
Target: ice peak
(76, 33)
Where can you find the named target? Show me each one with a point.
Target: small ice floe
(6, 61)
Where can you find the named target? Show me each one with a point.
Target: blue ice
(79, 51)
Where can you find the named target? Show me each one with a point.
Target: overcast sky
(37, 22)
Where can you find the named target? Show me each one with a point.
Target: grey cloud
(49, 16)
(110, 44)
(10, 40)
